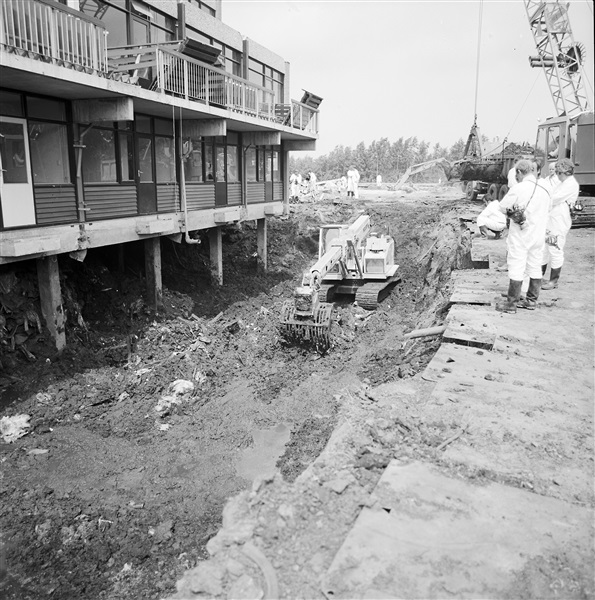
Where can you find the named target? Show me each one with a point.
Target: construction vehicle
(414, 169)
(351, 260)
(571, 132)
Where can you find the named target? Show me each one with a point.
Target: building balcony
(53, 33)
(165, 68)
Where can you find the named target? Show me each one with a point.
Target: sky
(402, 68)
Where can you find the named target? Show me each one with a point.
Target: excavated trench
(121, 480)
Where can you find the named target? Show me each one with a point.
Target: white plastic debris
(181, 386)
(12, 428)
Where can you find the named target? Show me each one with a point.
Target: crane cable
(478, 56)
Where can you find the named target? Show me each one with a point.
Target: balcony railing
(160, 68)
(53, 33)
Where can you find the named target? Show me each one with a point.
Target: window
(126, 157)
(49, 153)
(165, 159)
(209, 174)
(269, 165)
(276, 166)
(44, 108)
(10, 104)
(233, 172)
(99, 156)
(251, 170)
(193, 155)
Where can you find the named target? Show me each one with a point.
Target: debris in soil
(107, 497)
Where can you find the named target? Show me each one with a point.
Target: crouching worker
(564, 197)
(491, 219)
(527, 205)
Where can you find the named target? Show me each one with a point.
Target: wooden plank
(471, 296)
(470, 328)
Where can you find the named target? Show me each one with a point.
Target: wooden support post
(50, 296)
(216, 254)
(153, 272)
(261, 244)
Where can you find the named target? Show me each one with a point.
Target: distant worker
(564, 198)
(378, 180)
(511, 177)
(491, 219)
(312, 186)
(352, 182)
(551, 180)
(554, 148)
(527, 205)
(295, 182)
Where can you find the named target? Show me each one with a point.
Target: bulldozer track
(370, 294)
(326, 293)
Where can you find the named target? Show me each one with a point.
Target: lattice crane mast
(560, 57)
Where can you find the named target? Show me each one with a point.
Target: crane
(560, 57)
(570, 133)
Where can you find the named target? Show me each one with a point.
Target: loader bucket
(313, 331)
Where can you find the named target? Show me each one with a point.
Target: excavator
(351, 260)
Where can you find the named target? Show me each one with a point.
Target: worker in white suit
(491, 219)
(295, 182)
(352, 182)
(564, 197)
(527, 206)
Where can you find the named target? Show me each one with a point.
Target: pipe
(187, 237)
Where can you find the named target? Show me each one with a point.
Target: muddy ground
(122, 476)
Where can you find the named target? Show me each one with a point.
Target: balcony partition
(53, 33)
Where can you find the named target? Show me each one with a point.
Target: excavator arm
(412, 170)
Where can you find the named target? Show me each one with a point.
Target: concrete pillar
(285, 178)
(153, 273)
(261, 244)
(216, 255)
(50, 296)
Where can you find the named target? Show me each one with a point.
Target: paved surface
(520, 389)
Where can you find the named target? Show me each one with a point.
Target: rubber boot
(543, 269)
(552, 284)
(530, 301)
(512, 297)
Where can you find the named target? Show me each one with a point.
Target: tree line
(390, 160)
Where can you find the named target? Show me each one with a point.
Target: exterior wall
(79, 214)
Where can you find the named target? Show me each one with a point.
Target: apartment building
(128, 120)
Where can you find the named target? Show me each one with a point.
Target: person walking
(527, 205)
(352, 182)
(564, 197)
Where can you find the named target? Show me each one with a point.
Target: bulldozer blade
(312, 331)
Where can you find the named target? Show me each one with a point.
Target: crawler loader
(351, 260)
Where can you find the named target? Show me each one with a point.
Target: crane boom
(559, 55)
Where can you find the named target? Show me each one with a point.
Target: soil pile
(139, 430)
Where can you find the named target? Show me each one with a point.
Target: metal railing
(162, 69)
(53, 33)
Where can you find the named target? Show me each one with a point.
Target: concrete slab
(471, 296)
(432, 536)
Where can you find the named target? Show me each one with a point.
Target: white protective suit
(352, 181)
(511, 177)
(525, 245)
(563, 198)
(295, 182)
(491, 216)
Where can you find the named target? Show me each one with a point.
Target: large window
(251, 170)
(48, 144)
(233, 170)
(131, 21)
(266, 77)
(99, 156)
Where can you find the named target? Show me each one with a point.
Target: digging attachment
(308, 331)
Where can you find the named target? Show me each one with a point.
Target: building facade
(128, 120)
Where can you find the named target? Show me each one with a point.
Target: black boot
(512, 297)
(530, 301)
(552, 284)
(543, 269)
